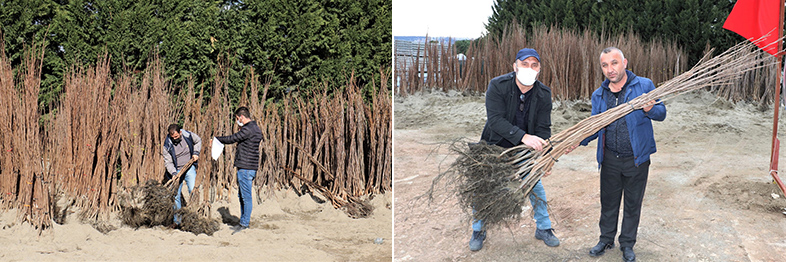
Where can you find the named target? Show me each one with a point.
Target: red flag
(753, 19)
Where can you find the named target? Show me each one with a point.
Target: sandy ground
(709, 196)
(284, 227)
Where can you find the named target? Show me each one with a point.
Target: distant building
(406, 52)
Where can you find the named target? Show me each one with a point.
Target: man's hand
(534, 142)
(570, 149)
(648, 106)
(195, 157)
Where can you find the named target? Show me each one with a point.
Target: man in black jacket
(518, 111)
(246, 161)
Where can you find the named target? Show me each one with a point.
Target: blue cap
(527, 52)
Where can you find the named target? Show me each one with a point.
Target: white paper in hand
(218, 147)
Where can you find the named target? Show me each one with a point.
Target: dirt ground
(709, 196)
(285, 227)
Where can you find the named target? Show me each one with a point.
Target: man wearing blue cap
(518, 111)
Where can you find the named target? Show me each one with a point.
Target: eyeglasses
(521, 105)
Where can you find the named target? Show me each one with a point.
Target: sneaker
(476, 242)
(238, 228)
(547, 236)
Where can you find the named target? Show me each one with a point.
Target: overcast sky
(460, 19)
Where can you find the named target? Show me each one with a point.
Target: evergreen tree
(691, 23)
(296, 45)
(27, 22)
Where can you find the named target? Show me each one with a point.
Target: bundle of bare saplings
(493, 183)
(151, 205)
(100, 145)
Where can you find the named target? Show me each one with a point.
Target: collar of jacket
(631, 80)
(186, 135)
(249, 124)
(171, 146)
(537, 86)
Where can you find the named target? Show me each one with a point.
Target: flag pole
(775, 141)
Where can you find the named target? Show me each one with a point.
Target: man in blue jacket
(246, 161)
(518, 111)
(624, 149)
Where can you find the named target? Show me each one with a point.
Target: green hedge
(294, 44)
(693, 24)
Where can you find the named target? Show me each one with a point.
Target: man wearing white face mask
(518, 111)
(246, 161)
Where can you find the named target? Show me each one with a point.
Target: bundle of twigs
(148, 205)
(194, 218)
(352, 206)
(173, 183)
(24, 180)
(485, 185)
(720, 70)
(152, 204)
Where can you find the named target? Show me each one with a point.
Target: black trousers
(618, 177)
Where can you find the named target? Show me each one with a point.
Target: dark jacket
(502, 101)
(170, 156)
(248, 138)
(642, 139)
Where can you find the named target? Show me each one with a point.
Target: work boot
(547, 236)
(600, 249)
(476, 242)
(627, 254)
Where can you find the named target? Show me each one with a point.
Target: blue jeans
(189, 179)
(245, 180)
(538, 201)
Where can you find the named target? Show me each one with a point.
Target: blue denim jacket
(642, 139)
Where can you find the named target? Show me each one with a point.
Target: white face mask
(527, 76)
(239, 123)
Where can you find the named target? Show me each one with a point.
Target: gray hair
(610, 49)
